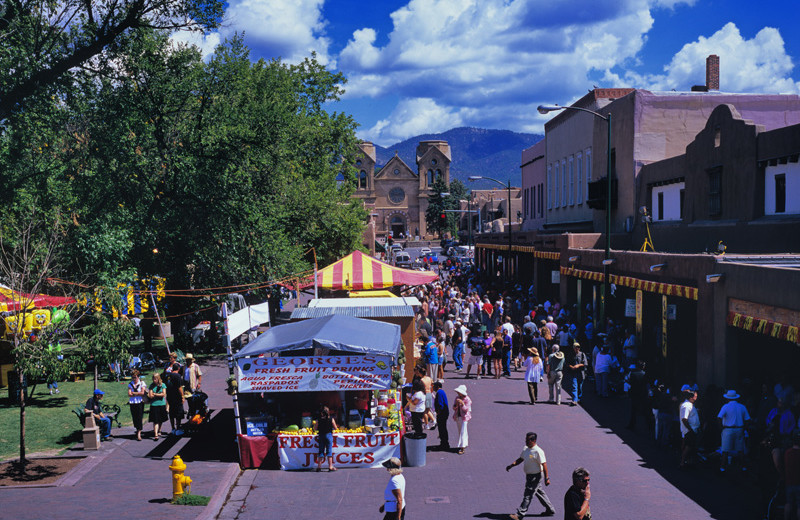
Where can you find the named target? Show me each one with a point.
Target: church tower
(433, 162)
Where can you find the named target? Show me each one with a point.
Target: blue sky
(425, 66)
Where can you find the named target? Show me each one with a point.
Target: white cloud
(206, 43)
(413, 117)
(756, 65)
(273, 29)
(482, 56)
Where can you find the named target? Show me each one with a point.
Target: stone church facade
(397, 196)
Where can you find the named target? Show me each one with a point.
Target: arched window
(438, 174)
(431, 178)
(362, 180)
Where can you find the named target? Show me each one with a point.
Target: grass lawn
(49, 421)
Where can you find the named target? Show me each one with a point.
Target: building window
(682, 197)
(588, 170)
(430, 178)
(579, 183)
(780, 193)
(358, 162)
(550, 186)
(571, 182)
(715, 191)
(717, 137)
(438, 174)
(362, 179)
(541, 201)
(564, 182)
(660, 209)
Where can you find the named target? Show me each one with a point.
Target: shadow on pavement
(513, 402)
(721, 497)
(205, 445)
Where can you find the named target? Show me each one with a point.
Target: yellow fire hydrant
(180, 483)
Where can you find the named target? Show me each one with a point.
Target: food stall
(349, 364)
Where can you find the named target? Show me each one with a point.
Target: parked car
(425, 251)
(395, 248)
(402, 259)
(430, 258)
(447, 243)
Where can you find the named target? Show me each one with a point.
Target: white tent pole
(160, 326)
(226, 340)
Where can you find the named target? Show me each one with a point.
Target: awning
(335, 332)
(11, 301)
(358, 271)
(764, 326)
(372, 294)
(670, 289)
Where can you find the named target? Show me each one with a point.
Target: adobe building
(396, 195)
(533, 186)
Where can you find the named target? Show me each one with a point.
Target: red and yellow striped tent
(357, 272)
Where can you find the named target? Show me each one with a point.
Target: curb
(214, 507)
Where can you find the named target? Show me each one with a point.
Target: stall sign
(350, 450)
(630, 308)
(315, 373)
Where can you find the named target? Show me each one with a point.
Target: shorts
(690, 439)
(733, 440)
(428, 401)
(325, 445)
(475, 360)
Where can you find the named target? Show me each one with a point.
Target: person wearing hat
(732, 416)
(555, 373)
(462, 413)
(534, 372)
(394, 501)
(459, 336)
(192, 374)
(577, 372)
(93, 408)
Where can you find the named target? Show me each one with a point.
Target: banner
(315, 374)
(350, 450)
(248, 318)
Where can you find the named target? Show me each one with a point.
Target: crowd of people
(487, 331)
(167, 396)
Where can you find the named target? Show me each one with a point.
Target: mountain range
(474, 151)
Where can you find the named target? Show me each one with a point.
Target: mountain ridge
(474, 151)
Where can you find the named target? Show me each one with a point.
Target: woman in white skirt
(462, 413)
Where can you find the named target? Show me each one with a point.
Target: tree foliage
(43, 40)
(439, 204)
(209, 174)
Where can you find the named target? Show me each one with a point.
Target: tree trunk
(95, 375)
(22, 459)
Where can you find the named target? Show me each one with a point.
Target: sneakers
(549, 512)
(479, 377)
(514, 517)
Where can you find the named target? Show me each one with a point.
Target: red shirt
(488, 308)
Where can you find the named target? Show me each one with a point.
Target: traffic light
(443, 218)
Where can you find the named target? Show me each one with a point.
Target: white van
(402, 259)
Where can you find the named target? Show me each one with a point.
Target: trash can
(415, 449)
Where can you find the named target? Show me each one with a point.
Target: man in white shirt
(535, 465)
(733, 416)
(690, 425)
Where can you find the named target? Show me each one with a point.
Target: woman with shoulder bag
(136, 394)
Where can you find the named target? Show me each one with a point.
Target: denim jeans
(577, 388)
(507, 363)
(105, 426)
(458, 355)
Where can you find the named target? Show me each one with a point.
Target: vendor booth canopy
(358, 271)
(11, 300)
(335, 332)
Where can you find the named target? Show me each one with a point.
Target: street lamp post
(543, 109)
(508, 210)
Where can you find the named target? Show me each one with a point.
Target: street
(630, 477)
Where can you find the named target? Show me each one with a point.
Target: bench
(112, 411)
(77, 376)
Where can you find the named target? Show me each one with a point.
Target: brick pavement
(476, 485)
(130, 479)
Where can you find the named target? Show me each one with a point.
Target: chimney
(712, 72)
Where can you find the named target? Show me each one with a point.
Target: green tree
(29, 255)
(105, 341)
(43, 40)
(439, 204)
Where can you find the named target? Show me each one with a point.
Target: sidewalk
(131, 479)
(475, 485)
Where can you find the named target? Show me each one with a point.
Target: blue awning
(335, 332)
